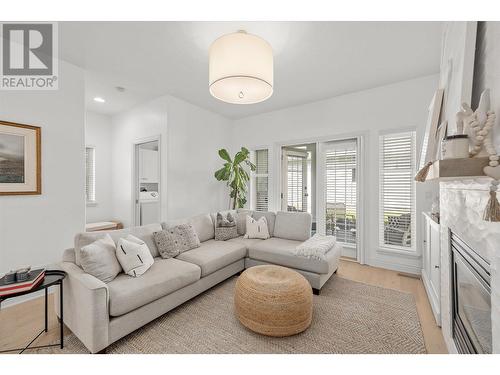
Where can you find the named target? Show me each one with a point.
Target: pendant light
(241, 68)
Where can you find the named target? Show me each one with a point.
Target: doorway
(298, 179)
(147, 181)
(339, 170)
(324, 179)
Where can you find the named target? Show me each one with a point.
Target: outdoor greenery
(235, 175)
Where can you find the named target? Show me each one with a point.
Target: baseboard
(394, 266)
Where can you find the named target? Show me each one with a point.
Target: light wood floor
(20, 323)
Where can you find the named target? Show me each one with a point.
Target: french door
(338, 193)
(294, 181)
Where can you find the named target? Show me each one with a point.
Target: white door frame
(136, 212)
(284, 175)
(361, 140)
(321, 190)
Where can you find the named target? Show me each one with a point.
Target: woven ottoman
(273, 301)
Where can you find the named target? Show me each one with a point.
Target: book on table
(34, 279)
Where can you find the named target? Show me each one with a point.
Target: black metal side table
(52, 278)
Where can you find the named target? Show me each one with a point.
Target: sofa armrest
(86, 301)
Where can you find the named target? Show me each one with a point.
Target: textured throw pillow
(257, 228)
(173, 241)
(225, 227)
(99, 259)
(225, 220)
(133, 255)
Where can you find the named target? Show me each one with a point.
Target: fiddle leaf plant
(235, 175)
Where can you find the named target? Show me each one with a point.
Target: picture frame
(20, 159)
(429, 142)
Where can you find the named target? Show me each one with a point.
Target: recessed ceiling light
(98, 99)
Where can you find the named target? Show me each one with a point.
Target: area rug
(348, 317)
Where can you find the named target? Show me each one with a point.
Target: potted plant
(235, 175)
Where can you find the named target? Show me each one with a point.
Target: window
(296, 183)
(397, 191)
(90, 174)
(341, 190)
(262, 180)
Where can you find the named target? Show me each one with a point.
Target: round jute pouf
(273, 301)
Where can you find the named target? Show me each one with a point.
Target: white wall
(393, 107)
(190, 138)
(194, 137)
(144, 121)
(34, 230)
(98, 134)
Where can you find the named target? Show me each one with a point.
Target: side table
(52, 278)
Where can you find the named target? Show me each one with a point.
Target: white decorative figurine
(479, 125)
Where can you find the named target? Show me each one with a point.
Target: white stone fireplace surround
(462, 203)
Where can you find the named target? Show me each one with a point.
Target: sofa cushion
(203, 225)
(270, 217)
(144, 232)
(247, 242)
(213, 255)
(165, 276)
(293, 225)
(280, 251)
(241, 220)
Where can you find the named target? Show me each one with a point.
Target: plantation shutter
(341, 190)
(90, 174)
(262, 180)
(397, 191)
(295, 183)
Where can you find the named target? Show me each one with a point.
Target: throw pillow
(225, 220)
(257, 228)
(133, 255)
(225, 227)
(175, 240)
(99, 259)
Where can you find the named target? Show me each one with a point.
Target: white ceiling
(313, 60)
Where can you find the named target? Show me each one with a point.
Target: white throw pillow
(133, 255)
(257, 228)
(99, 259)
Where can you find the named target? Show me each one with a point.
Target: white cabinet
(148, 166)
(431, 272)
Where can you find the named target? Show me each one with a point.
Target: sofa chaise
(101, 313)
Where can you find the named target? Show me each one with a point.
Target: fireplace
(471, 296)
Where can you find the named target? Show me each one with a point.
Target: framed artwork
(429, 143)
(20, 159)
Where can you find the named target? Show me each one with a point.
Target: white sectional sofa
(101, 313)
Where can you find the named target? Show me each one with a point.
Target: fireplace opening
(471, 299)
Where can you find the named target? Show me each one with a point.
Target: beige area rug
(348, 317)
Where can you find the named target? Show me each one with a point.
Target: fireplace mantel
(456, 169)
(462, 203)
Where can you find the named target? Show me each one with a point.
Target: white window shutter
(341, 190)
(397, 191)
(90, 174)
(262, 180)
